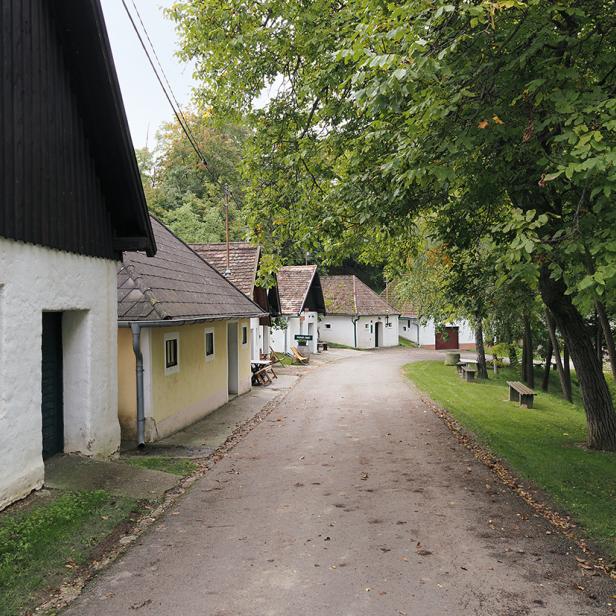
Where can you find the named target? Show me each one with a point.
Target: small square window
(328, 325)
(209, 345)
(172, 353)
(244, 335)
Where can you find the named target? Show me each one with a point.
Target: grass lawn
(285, 360)
(407, 343)
(543, 444)
(175, 466)
(41, 545)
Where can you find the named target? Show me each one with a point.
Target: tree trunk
(603, 319)
(564, 385)
(524, 363)
(529, 369)
(513, 355)
(482, 369)
(598, 340)
(548, 363)
(598, 404)
(607, 334)
(567, 367)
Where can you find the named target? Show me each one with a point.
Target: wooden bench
(298, 356)
(459, 367)
(468, 372)
(518, 392)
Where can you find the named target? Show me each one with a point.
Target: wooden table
(261, 369)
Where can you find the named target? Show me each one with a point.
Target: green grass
(406, 343)
(37, 543)
(285, 360)
(543, 444)
(175, 466)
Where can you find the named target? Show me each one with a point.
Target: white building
(240, 266)
(454, 335)
(356, 316)
(72, 202)
(301, 303)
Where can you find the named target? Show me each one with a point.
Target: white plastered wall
(342, 330)
(466, 334)
(34, 279)
(306, 323)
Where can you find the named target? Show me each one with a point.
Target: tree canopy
(495, 122)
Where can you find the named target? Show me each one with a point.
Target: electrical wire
(170, 96)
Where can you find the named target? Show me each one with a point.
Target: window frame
(244, 335)
(206, 332)
(174, 369)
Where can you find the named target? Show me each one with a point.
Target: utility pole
(226, 199)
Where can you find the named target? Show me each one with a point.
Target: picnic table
(262, 371)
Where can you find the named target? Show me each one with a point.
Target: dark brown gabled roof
(349, 295)
(298, 286)
(176, 284)
(243, 262)
(391, 295)
(68, 172)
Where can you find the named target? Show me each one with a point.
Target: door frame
(233, 358)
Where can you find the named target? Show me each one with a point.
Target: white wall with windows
(360, 332)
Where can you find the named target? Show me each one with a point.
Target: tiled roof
(294, 283)
(243, 262)
(404, 307)
(349, 295)
(176, 284)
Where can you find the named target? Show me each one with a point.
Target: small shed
(357, 316)
(428, 334)
(301, 303)
(187, 328)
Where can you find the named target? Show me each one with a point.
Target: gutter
(136, 331)
(191, 321)
(355, 330)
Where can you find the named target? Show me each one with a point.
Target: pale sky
(145, 103)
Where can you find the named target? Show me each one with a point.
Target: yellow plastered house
(184, 345)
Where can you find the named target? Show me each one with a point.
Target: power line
(162, 70)
(171, 98)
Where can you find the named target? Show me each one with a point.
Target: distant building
(189, 328)
(242, 271)
(356, 316)
(454, 335)
(301, 303)
(72, 201)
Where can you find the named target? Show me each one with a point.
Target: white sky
(145, 103)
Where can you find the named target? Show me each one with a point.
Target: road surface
(352, 498)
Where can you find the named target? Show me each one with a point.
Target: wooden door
(52, 388)
(446, 338)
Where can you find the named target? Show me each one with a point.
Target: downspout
(355, 330)
(135, 328)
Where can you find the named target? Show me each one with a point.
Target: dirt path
(351, 499)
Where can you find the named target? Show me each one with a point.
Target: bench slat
(521, 388)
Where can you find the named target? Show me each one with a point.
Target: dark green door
(52, 398)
